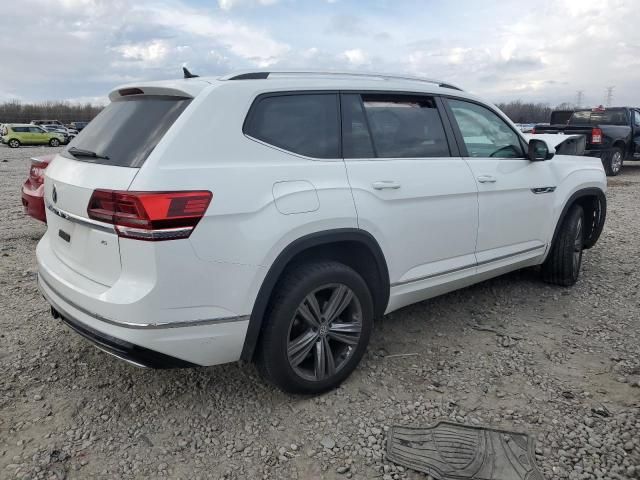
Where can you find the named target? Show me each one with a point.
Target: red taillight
(596, 135)
(36, 172)
(150, 215)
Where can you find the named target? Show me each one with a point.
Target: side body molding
(350, 235)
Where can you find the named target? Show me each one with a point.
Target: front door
(515, 195)
(418, 200)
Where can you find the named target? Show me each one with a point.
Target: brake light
(36, 172)
(150, 216)
(596, 135)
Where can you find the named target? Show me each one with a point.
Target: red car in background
(33, 188)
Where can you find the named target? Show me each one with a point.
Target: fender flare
(298, 246)
(598, 221)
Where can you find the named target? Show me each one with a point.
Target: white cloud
(356, 57)
(230, 4)
(246, 42)
(147, 52)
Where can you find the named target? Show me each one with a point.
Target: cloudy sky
(542, 50)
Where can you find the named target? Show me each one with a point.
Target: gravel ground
(514, 353)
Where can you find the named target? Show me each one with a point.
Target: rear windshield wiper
(80, 152)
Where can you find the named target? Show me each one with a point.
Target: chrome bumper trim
(142, 326)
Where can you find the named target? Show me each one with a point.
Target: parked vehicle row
(320, 202)
(612, 134)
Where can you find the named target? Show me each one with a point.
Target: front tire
(13, 143)
(562, 266)
(613, 162)
(54, 142)
(317, 328)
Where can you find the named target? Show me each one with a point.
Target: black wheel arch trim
(298, 246)
(598, 220)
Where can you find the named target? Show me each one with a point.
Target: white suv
(271, 216)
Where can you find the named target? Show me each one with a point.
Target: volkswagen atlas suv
(272, 216)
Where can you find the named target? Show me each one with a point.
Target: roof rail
(261, 75)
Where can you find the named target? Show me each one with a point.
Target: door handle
(486, 179)
(385, 184)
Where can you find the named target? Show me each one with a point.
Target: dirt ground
(515, 353)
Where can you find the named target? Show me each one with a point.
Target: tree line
(528, 112)
(15, 111)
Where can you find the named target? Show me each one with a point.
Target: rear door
(122, 136)
(515, 195)
(416, 196)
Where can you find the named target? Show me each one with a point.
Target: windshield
(125, 133)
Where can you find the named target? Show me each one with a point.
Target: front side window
(306, 123)
(405, 126)
(485, 134)
(636, 118)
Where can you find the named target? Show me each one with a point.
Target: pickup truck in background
(612, 134)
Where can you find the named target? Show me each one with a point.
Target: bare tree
(14, 111)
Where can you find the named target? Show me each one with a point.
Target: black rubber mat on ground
(449, 451)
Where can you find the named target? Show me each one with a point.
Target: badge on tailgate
(64, 235)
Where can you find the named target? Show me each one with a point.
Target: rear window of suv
(128, 129)
(605, 117)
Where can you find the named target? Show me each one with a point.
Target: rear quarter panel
(206, 149)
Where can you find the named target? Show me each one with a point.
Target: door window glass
(485, 134)
(356, 140)
(404, 126)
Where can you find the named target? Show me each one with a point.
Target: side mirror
(538, 150)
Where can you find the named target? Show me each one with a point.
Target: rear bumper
(146, 319)
(129, 352)
(33, 202)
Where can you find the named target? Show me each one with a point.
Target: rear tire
(54, 142)
(562, 266)
(613, 162)
(13, 143)
(317, 307)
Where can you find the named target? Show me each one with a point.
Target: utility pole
(609, 99)
(579, 98)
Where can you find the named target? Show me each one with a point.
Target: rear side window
(306, 124)
(20, 129)
(404, 126)
(128, 129)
